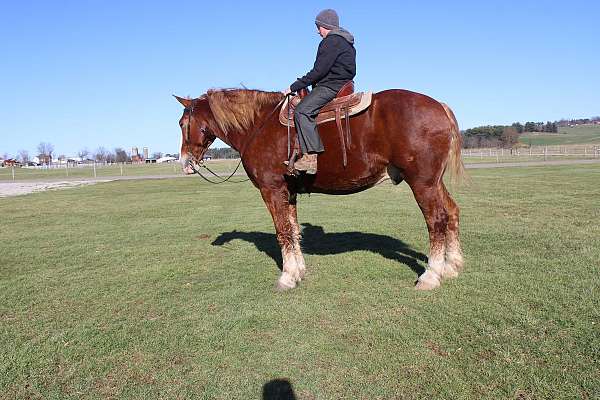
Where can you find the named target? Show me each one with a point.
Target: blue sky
(84, 74)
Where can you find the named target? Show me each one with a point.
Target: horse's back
(407, 130)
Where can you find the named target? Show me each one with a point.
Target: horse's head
(196, 134)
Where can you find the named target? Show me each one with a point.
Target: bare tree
(111, 157)
(83, 154)
(509, 137)
(121, 155)
(24, 156)
(157, 155)
(100, 154)
(45, 149)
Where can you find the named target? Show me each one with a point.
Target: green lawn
(164, 289)
(587, 134)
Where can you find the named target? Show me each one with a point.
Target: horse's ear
(185, 102)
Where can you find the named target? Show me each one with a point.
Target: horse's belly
(345, 181)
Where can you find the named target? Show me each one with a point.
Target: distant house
(166, 159)
(44, 159)
(11, 162)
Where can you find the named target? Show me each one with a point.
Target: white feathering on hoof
(428, 281)
(285, 282)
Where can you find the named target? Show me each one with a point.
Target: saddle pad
(356, 103)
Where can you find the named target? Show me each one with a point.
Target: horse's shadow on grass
(315, 241)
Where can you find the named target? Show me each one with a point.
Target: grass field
(586, 134)
(164, 289)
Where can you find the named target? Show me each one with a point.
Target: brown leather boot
(307, 163)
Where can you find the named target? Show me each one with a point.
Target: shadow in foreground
(316, 241)
(278, 389)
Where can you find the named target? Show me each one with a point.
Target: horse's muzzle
(186, 166)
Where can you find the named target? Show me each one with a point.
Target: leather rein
(193, 161)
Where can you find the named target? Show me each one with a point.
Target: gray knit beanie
(328, 19)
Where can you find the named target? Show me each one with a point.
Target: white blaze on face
(183, 158)
(182, 155)
(186, 165)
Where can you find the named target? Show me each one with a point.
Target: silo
(145, 153)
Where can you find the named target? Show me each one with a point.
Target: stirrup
(291, 171)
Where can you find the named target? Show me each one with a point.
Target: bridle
(192, 161)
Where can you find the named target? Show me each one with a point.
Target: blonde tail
(457, 168)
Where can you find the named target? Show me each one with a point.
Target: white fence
(545, 152)
(88, 170)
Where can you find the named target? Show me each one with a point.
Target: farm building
(10, 162)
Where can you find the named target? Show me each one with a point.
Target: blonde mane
(236, 108)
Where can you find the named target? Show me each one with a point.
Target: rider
(335, 66)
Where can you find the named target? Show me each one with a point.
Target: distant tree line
(582, 121)
(45, 155)
(506, 135)
(490, 136)
(103, 155)
(548, 127)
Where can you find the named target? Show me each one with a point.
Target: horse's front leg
(277, 201)
(293, 216)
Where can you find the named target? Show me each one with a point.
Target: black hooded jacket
(335, 64)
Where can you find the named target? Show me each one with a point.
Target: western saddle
(344, 105)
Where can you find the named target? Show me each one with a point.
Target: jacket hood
(343, 33)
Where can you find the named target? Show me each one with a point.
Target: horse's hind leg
(431, 201)
(454, 256)
(278, 204)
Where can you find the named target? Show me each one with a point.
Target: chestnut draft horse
(410, 136)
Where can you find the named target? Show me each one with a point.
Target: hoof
(426, 285)
(283, 286)
(428, 281)
(449, 271)
(301, 274)
(459, 265)
(455, 261)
